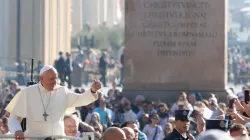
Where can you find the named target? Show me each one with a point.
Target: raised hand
(96, 86)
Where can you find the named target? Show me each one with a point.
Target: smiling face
(49, 79)
(70, 127)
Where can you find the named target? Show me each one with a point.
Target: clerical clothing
(32, 102)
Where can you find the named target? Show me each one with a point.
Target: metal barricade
(85, 136)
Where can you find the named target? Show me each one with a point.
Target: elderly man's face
(70, 127)
(49, 79)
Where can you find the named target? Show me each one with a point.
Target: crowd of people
(238, 64)
(191, 116)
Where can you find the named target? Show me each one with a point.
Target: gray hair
(139, 97)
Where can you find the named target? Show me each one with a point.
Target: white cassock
(31, 103)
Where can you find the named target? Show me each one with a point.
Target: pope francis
(45, 104)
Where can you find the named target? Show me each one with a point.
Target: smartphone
(246, 96)
(231, 103)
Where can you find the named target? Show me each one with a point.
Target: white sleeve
(14, 124)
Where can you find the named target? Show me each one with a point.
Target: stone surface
(175, 45)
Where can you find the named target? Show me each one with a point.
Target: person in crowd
(117, 117)
(181, 104)
(144, 120)
(71, 124)
(138, 134)
(129, 132)
(238, 130)
(129, 115)
(139, 102)
(171, 120)
(144, 110)
(60, 65)
(68, 69)
(105, 114)
(217, 112)
(151, 109)
(114, 133)
(163, 113)
(14, 87)
(7, 97)
(182, 124)
(103, 68)
(168, 129)
(192, 99)
(153, 130)
(90, 109)
(95, 122)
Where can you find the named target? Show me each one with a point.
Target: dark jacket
(175, 135)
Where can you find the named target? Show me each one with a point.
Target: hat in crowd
(217, 124)
(182, 114)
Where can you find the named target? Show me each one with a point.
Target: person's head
(182, 96)
(129, 132)
(102, 104)
(60, 53)
(125, 101)
(168, 129)
(154, 119)
(163, 108)
(95, 117)
(192, 99)
(71, 125)
(213, 103)
(48, 77)
(6, 91)
(238, 130)
(14, 84)
(68, 55)
(114, 133)
(134, 126)
(171, 120)
(145, 117)
(139, 99)
(127, 107)
(150, 106)
(182, 120)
